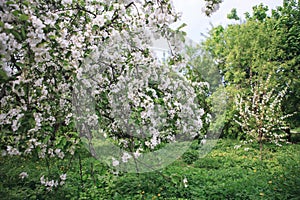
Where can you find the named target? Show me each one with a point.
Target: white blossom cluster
(50, 184)
(185, 182)
(23, 175)
(211, 6)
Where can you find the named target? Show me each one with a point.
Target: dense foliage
(262, 54)
(231, 171)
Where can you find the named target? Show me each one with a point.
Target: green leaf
(182, 26)
(47, 138)
(21, 65)
(26, 3)
(23, 17)
(52, 37)
(16, 13)
(9, 2)
(23, 33)
(17, 35)
(3, 76)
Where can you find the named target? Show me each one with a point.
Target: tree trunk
(289, 135)
(260, 144)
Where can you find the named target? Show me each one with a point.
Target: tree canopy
(262, 46)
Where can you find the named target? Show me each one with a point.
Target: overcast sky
(198, 23)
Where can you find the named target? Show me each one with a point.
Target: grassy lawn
(225, 173)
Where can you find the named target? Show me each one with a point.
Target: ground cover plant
(232, 170)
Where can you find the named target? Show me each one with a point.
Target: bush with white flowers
(260, 113)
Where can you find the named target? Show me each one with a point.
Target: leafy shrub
(190, 156)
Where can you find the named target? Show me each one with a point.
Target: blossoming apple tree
(76, 68)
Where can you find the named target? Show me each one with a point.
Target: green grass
(225, 173)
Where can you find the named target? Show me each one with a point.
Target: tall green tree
(247, 53)
(287, 30)
(203, 69)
